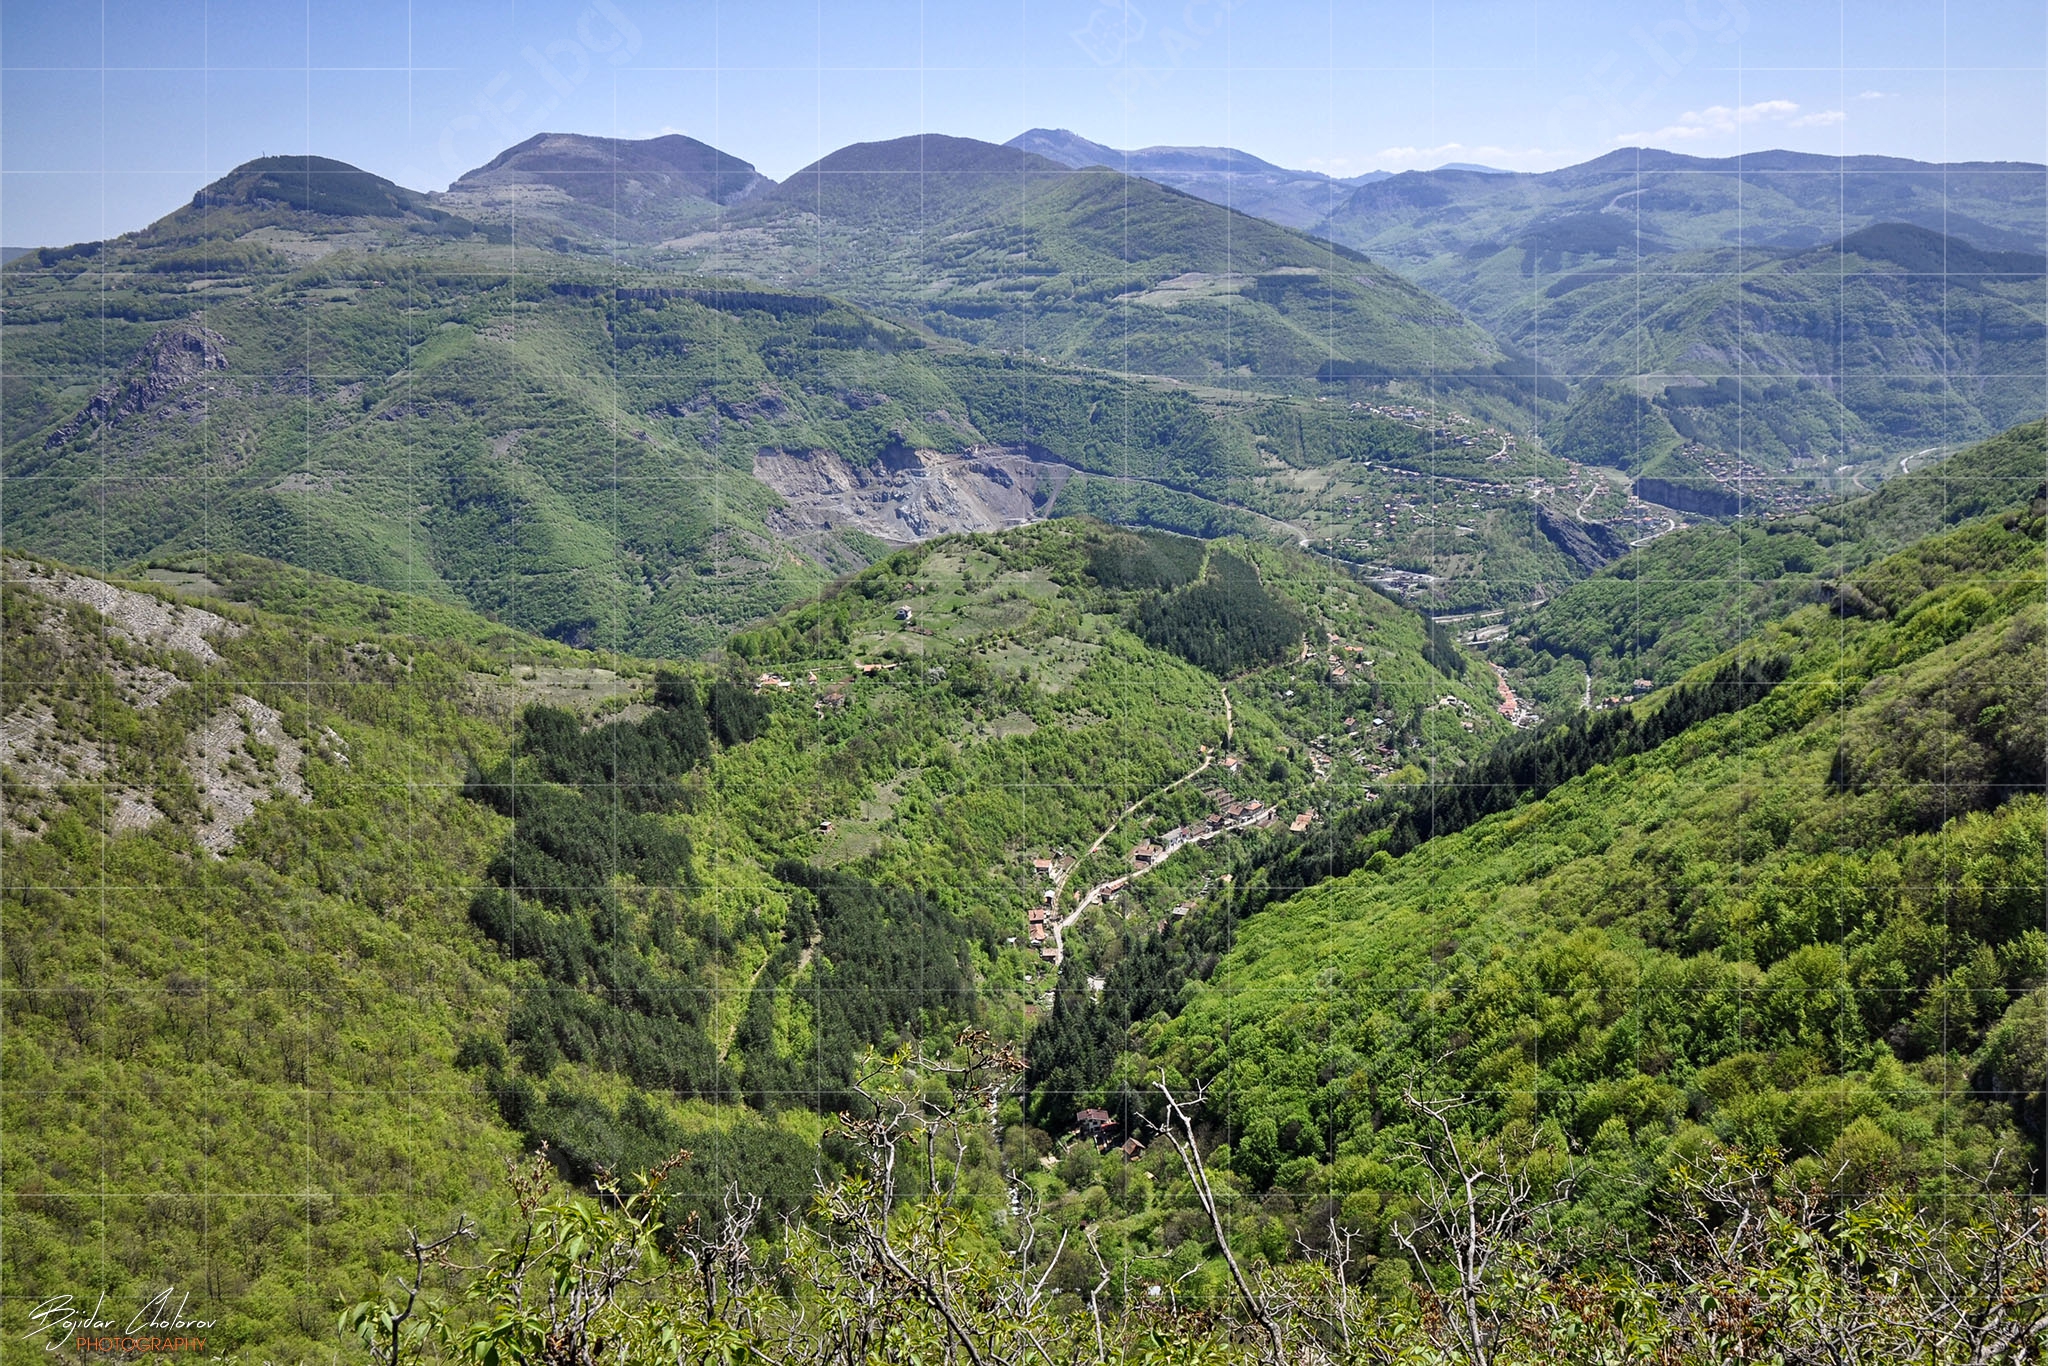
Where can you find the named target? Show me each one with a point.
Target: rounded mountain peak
(929, 154)
(599, 169)
(313, 184)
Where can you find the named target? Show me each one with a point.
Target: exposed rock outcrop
(909, 495)
(239, 757)
(53, 752)
(139, 618)
(171, 360)
(1705, 502)
(1590, 545)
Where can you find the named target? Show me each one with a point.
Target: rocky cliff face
(1707, 502)
(1590, 544)
(909, 495)
(171, 360)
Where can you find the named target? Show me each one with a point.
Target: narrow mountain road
(1670, 525)
(1100, 839)
(1059, 927)
(1453, 618)
(1101, 889)
(1059, 883)
(1595, 486)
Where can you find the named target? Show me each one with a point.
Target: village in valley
(1228, 816)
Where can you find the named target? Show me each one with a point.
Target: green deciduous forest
(966, 759)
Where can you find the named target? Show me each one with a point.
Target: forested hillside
(1668, 606)
(238, 965)
(311, 364)
(1004, 248)
(1806, 921)
(1795, 312)
(1778, 924)
(458, 433)
(945, 761)
(1892, 338)
(609, 905)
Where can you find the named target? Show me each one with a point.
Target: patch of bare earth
(906, 495)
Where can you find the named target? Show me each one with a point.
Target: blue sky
(112, 114)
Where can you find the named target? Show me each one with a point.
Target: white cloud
(1721, 120)
(1819, 118)
(1877, 94)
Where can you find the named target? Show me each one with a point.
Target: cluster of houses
(1229, 815)
(1099, 1127)
(1457, 706)
(1760, 489)
(1050, 869)
(831, 696)
(1445, 426)
(1347, 664)
(1373, 753)
(1407, 412)
(1636, 689)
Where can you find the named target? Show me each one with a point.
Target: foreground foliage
(890, 1264)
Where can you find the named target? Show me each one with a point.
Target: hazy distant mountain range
(1004, 248)
(1772, 200)
(1783, 304)
(1222, 175)
(781, 370)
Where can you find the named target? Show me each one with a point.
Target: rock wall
(1706, 502)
